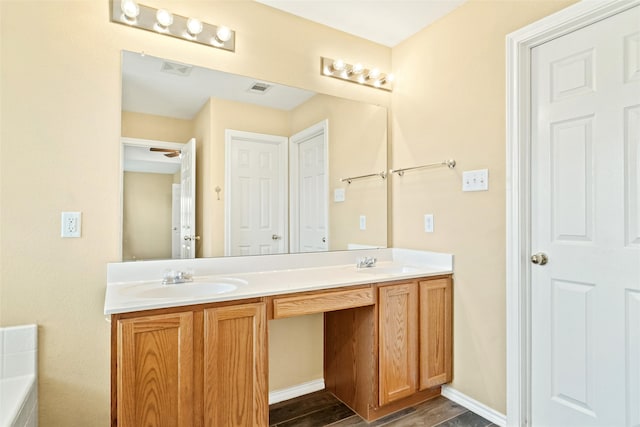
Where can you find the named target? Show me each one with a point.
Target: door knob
(324, 240)
(187, 238)
(539, 258)
(276, 237)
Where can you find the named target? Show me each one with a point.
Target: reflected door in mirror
(257, 189)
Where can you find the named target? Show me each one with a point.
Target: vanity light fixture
(223, 34)
(356, 73)
(162, 21)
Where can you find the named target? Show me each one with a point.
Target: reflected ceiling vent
(260, 88)
(176, 68)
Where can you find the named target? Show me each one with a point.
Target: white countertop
(14, 393)
(136, 286)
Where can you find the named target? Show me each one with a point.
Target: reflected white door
(585, 365)
(176, 201)
(309, 173)
(188, 199)
(256, 203)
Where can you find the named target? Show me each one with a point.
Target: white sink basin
(195, 289)
(397, 269)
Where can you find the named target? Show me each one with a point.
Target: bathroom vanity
(185, 354)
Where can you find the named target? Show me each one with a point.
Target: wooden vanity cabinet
(387, 347)
(395, 354)
(235, 366)
(155, 370)
(191, 366)
(436, 336)
(415, 337)
(398, 341)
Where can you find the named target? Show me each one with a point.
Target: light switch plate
(71, 224)
(476, 180)
(363, 222)
(428, 223)
(338, 195)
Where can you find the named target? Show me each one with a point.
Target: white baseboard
(474, 406)
(295, 391)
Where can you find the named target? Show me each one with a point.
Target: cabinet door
(398, 341)
(435, 332)
(235, 366)
(155, 371)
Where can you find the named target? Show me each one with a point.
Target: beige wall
(60, 130)
(449, 102)
(157, 128)
(146, 236)
(356, 131)
(60, 106)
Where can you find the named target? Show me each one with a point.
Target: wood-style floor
(323, 409)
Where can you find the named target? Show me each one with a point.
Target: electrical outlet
(363, 222)
(428, 223)
(71, 224)
(477, 180)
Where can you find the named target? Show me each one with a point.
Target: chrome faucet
(173, 277)
(366, 262)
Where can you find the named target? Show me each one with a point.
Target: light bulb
(130, 9)
(357, 69)
(390, 77)
(223, 34)
(374, 74)
(194, 26)
(326, 71)
(164, 18)
(338, 65)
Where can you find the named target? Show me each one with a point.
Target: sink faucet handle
(366, 262)
(184, 275)
(171, 277)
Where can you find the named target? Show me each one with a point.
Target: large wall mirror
(216, 164)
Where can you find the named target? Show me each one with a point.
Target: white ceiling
(386, 22)
(146, 88)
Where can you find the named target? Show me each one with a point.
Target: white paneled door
(188, 235)
(256, 203)
(309, 199)
(585, 306)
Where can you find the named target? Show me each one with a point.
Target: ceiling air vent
(259, 87)
(176, 68)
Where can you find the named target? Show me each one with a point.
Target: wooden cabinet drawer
(322, 302)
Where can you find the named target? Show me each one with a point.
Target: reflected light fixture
(162, 21)
(356, 73)
(194, 26)
(130, 11)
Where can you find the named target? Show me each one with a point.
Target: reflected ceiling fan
(168, 151)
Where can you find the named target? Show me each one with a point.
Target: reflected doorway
(158, 207)
(309, 189)
(256, 180)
